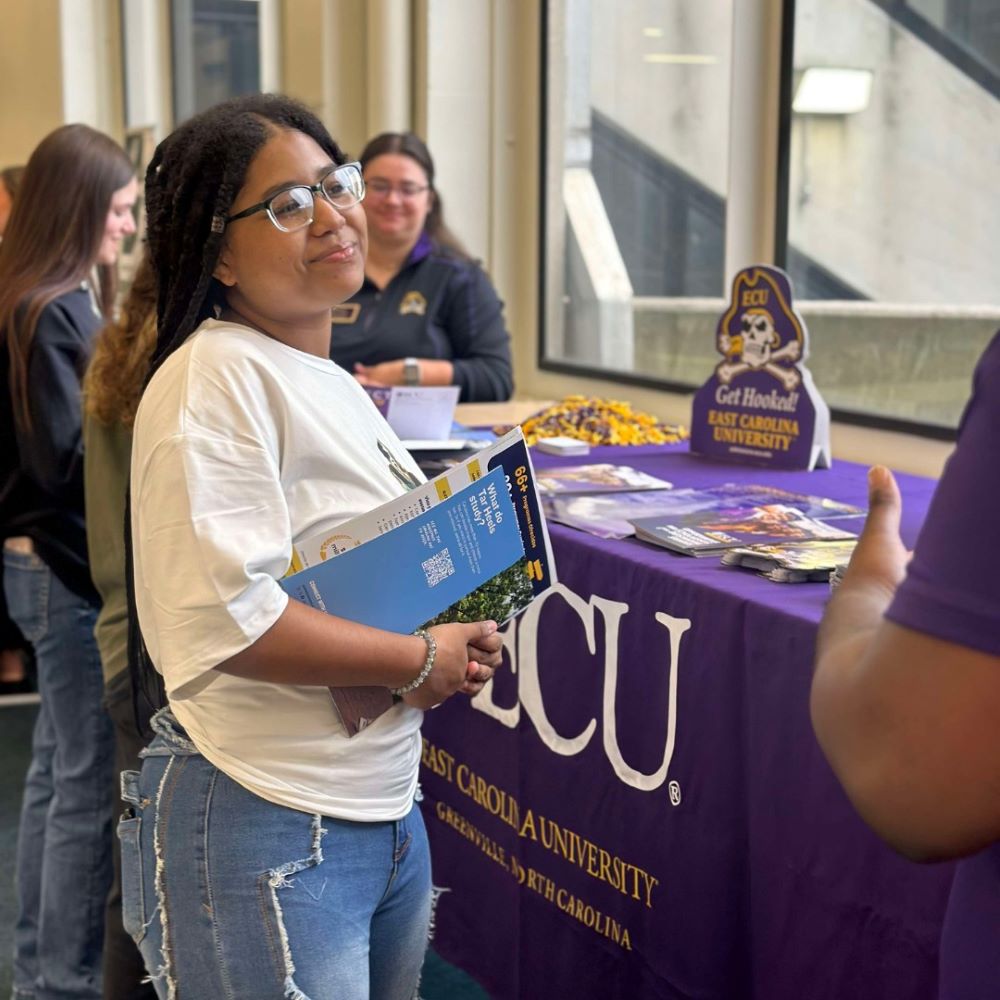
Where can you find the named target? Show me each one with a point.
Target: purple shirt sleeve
(952, 586)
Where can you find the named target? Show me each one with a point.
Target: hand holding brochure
(467, 546)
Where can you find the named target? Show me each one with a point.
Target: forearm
(852, 699)
(844, 720)
(434, 372)
(900, 715)
(856, 610)
(309, 647)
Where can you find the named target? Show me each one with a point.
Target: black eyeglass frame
(315, 190)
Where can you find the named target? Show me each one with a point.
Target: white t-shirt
(242, 445)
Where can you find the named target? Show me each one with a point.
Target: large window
(636, 171)
(893, 202)
(888, 215)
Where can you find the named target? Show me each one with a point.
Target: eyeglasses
(293, 208)
(382, 188)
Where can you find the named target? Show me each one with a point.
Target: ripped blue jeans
(230, 896)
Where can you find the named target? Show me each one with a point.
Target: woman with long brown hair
(57, 261)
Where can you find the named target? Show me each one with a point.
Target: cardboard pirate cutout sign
(761, 405)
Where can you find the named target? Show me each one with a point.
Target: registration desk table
(637, 806)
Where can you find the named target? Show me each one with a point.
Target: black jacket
(41, 468)
(439, 305)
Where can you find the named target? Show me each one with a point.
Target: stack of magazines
(794, 562)
(788, 537)
(762, 517)
(469, 545)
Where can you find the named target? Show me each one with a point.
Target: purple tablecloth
(639, 808)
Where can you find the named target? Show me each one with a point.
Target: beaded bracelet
(428, 665)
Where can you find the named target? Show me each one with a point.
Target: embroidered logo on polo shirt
(413, 302)
(346, 313)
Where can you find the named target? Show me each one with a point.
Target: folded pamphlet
(417, 412)
(600, 478)
(469, 545)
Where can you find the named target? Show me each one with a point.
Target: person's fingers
(477, 677)
(485, 658)
(488, 644)
(477, 672)
(884, 503)
(476, 632)
(879, 558)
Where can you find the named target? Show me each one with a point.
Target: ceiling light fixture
(832, 91)
(679, 59)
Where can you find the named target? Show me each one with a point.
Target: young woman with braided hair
(268, 854)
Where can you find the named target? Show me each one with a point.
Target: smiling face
(120, 222)
(399, 199)
(278, 280)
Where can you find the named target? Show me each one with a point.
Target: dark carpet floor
(440, 980)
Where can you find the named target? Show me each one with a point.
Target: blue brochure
(408, 576)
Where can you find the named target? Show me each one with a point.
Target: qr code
(438, 567)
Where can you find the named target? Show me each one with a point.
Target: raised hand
(880, 557)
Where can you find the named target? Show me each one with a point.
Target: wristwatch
(411, 371)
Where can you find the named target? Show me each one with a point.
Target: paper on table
(421, 411)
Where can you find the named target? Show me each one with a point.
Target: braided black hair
(193, 179)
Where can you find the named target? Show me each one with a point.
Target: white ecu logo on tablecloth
(521, 642)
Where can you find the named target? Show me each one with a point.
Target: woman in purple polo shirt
(906, 695)
(427, 313)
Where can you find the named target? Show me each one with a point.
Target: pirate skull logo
(757, 347)
(759, 337)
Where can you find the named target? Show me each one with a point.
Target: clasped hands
(467, 657)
